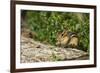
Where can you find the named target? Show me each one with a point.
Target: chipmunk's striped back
(73, 41)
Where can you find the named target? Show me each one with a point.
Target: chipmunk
(67, 39)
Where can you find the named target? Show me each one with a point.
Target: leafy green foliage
(47, 24)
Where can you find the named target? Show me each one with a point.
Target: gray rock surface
(34, 51)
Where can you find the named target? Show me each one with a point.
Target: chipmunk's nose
(58, 44)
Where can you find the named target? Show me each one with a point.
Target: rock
(34, 51)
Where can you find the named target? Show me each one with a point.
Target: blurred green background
(47, 24)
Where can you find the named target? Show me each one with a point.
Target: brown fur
(67, 39)
(73, 42)
(62, 39)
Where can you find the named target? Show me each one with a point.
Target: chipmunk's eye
(62, 34)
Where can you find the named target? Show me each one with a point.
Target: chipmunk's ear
(64, 33)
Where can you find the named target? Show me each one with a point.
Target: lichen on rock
(34, 51)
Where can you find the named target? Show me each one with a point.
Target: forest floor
(34, 51)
